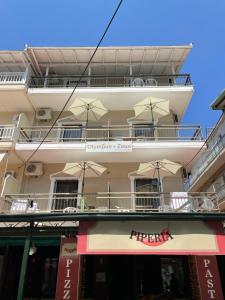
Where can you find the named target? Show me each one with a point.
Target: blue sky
(139, 22)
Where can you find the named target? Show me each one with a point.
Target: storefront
(113, 260)
(151, 260)
(41, 269)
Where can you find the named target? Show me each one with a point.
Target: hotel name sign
(109, 146)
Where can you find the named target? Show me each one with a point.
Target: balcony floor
(70, 152)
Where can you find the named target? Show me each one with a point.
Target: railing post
(46, 76)
(26, 74)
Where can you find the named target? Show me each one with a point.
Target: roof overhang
(12, 61)
(145, 59)
(219, 102)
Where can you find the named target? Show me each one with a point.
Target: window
(144, 200)
(71, 133)
(145, 130)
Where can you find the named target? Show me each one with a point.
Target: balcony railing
(7, 132)
(72, 134)
(118, 202)
(12, 77)
(63, 81)
(221, 193)
(203, 163)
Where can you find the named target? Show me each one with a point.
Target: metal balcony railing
(65, 81)
(221, 193)
(72, 134)
(118, 202)
(7, 132)
(12, 77)
(203, 163)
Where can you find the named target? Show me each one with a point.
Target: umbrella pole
(152, 112)
(108, 188)
(87, 113)
(159, 183)
(82, 190)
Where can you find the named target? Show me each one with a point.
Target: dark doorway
(11, 257)
(221, 267)
(133, 277)
(63, 187)
(42, 273)
(143, 200)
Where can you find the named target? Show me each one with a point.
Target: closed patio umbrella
(151, 108)
(88, 109)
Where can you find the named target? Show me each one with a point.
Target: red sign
(67, 287)
(209, 278)
(151, 237)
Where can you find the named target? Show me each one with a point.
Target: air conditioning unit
(34, 169)
(10, 173)
(44, 114)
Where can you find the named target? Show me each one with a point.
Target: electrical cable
(78, 82)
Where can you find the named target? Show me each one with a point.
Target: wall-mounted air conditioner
(44, 114)
(34, 169)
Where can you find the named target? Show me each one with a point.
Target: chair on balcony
(138, 82)
(204, 203)
(70, 210)
(151, 82)
(19, 206)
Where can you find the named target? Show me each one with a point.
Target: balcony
(179, 143)
(110, 81)
(13, 91)
(7, 132)
(113, 202)
(7, 78)
(8, 135)
(221, 197)
(138, 133)
(211, 161)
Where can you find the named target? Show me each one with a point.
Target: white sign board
(109, 146)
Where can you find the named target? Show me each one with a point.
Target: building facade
(106, 230)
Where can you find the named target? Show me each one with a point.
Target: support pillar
(209, 277)
(68, 278)
(23, 269)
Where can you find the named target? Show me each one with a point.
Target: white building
(42, 202)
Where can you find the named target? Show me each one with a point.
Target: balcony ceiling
(109, 60)
(113, 98)
(12, 61)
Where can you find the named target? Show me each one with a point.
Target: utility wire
(78, 82)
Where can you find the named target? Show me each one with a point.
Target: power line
(78, 82)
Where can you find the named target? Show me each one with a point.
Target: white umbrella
(84, 169)
(88, 109)
(151, 108)
(159, 168)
